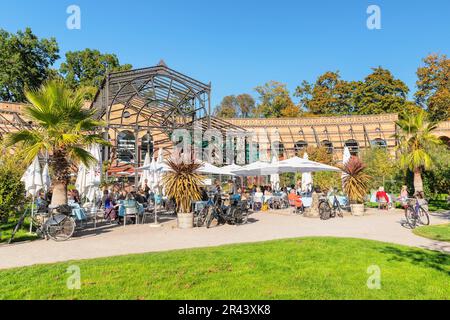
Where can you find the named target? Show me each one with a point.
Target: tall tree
(416, 138)
(25, 61)
(246, 104)
(380, 93)
(228, 108)
(87, 68)
(62, 131)
(328, 95)
(434, 86)
(274, 98)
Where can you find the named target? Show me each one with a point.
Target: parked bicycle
(416, 212)
(330, 209)
(60, 225)
(235, 214)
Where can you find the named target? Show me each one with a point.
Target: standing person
(146, 189)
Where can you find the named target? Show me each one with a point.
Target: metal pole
(32, 214)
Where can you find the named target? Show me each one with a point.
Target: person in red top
(295, 199)
(382, 195)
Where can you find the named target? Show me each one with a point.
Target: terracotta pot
(185, 220)
(357, 209)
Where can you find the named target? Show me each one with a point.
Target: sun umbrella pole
(32, 214)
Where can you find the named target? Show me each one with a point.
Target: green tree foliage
(380, 165)
(434, 86)
(25, 61)
(379, 93)
(62, 131)
(437, 181)
(416, 138)
(12, 190)
(275, 101)
(88, 68)
(228, 108)
(246, 105)
(328, 95)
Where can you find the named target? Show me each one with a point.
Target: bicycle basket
(65, 210)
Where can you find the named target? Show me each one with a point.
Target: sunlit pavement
(112, 240)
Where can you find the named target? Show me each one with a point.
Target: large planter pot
(357, 209)
(185, 220)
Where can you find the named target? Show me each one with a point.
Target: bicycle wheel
(62, 231)
(424, 218)
(339, 212)
(201, 218)
(324, 211)
(411, 218)
(240, 217)
(210, 218)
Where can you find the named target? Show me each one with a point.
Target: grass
(309, 268)
(22, 235)
(438, 232)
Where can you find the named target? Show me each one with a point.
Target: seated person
(295, 199)
(382, 196)
(258, 198)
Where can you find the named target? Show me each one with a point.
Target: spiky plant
(356, 181)
(182, 183)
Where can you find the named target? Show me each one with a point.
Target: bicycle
(235, 214)
(60, 226)
(416, 213)
(329, 210)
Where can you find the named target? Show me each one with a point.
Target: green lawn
(310, 268)
(438, 232)
(22, 235)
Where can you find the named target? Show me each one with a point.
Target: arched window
(146, 146)
(278, 149)
(125, 147)
(328, 145)
(379, 143)
(353, 146)
(299, 147)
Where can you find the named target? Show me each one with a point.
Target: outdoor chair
(131, 210)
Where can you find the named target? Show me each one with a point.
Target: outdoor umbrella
(145, 173)
(306, 177)
(275, 177)
(230, 168)
(33, 183)
(46, 181)
(345, 159)
(208, 168)
(94, 174)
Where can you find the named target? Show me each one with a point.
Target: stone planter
(357, 209)
(185, 220)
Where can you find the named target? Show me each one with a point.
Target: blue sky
(238, 45)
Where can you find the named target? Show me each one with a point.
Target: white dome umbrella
(230, 168)
(297, 164)
(257, 168)
(33, 183)
(208, 168)
(275, 177)
(306, 177)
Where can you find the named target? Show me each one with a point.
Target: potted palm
(182, 184)
(356, 184)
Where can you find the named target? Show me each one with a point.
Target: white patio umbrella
(275, 177)
(46, 181)
(257, 168)
(230, 168)
(307, 180)
(94, 175)
(208, 168)
(145, 173)
(345, 159)
(33, 183)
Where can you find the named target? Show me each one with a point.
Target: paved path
(115, 240)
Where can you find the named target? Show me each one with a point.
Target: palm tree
(62, 129)
(415, 138)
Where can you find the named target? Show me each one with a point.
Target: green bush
(12, 190)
